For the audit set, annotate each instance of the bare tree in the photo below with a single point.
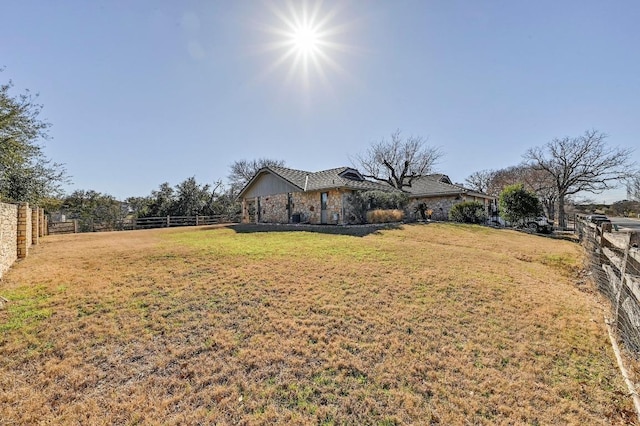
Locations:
(493, 183)
(543, 185)
(502, 178)
(480, 180)
(580, 164)
(241, 171)
(398, 161)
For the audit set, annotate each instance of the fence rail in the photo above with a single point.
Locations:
(76, 225)
(615, 264)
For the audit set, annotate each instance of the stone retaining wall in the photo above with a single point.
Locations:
(20, 228)
(8, 236)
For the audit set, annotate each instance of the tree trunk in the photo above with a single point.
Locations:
(546, 207)
(550, 204)
(561, 218)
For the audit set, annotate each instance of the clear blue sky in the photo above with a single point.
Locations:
(147, 91)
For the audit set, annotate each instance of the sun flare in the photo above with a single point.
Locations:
(306, 38)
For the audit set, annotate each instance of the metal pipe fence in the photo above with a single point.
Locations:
(129, 224)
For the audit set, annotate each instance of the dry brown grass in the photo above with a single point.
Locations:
(430, 324)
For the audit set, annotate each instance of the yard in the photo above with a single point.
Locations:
(428, 324)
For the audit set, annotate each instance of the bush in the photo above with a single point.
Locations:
(468, 212)
(384, 216)
(516, 204)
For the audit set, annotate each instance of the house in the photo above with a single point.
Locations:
(283, 195)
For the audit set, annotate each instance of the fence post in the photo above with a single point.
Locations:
(75, 226)
(168, 221)
(197, 220)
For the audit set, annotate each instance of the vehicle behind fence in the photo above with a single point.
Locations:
(614, 260)
(88, 225)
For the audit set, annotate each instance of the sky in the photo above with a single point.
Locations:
(150, 91)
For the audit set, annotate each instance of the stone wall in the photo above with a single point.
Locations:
(440, 205)
(35, 225)
(8, 236)
(274, 208)
(309, 206)
(20, 228)
(24, 239)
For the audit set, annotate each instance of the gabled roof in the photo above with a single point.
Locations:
(341, 177)
(439, 177)
(436, 185)
(347, 177)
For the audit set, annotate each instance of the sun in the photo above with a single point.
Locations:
(307, 40)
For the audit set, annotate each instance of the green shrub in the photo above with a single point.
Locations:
(516, 204)
(468, 212)
(384, 216)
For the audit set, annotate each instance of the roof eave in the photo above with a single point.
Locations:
(256, 177)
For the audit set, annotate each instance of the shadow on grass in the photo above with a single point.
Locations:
(350, 230)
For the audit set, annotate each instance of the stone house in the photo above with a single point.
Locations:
(438, 194)
(283, 195)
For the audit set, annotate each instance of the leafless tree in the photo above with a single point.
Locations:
(492, 182)
(480, 180)
(398, 161)
(241, 171)
(504, 177)
(543, 185)
(580, 164)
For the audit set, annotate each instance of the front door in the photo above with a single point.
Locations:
(323, 207)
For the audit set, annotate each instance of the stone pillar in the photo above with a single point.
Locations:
(23, 248)
(42, 230)
(35, 225)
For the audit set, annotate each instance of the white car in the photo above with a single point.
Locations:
(539, 224)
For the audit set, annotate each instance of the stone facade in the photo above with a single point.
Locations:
(439, 205)
(8, 236)
(275, 208)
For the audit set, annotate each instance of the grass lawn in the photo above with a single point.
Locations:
(428, 324)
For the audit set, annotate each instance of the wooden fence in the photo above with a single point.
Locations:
(615, 265)
(78, 225)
